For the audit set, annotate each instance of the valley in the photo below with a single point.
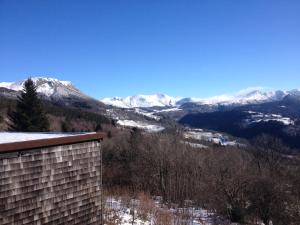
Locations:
(244, 115)
(178, 150)
(149, 112)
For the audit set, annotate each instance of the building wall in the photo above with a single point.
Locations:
(55, 185)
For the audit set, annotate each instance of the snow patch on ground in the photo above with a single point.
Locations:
(128, 214)
(147, 114)
(216, 138)
(168, 110)
(142, 125)
(152, 113)
(194, 145)
(257, 117)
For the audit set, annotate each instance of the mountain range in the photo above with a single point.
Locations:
(245, 114)
(55, 89)
(249, 96)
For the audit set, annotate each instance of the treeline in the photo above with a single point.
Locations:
(75, 113)
(62, 118)
(260, 183)
(71, 118)
(30, 113)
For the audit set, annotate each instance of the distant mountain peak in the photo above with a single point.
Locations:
(247, 96)
(142, 101)
(48, 87)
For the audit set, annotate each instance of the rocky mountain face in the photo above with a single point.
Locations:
(50, 88)
(58, 92)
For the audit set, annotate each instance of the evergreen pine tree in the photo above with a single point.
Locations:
(109, 134)
(65, 126)
(98, 127)
(29, 115)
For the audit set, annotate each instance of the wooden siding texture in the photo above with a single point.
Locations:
(54, 185)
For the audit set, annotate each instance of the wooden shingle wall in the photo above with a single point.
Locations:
(55, 185)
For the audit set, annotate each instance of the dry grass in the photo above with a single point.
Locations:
(162, 217)
(146, 206)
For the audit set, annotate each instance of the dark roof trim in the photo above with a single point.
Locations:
(42, 143)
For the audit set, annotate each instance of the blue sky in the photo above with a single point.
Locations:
(125, 47)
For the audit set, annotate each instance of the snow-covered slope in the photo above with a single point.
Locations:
(49, 87)
(248, 96)
(243, 97)
(141, 101)
(141, 125)
(257, 117)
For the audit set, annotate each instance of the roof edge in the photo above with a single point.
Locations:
(50, 142)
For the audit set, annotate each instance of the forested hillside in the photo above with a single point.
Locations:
(257, 183)
(62, 118)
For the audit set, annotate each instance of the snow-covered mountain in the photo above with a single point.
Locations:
(48, 87)
(145, 101)
(248, 96)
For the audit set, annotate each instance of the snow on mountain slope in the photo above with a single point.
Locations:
(257, 117)
(56, 89)
(141, 101)
(248, 96)
(49, 87)
(216, 138)
(142, 125)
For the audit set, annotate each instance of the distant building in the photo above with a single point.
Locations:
(50, 179)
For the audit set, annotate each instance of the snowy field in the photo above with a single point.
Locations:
(194, 145)
(141, 125)
(216, 138)
(136, 212)
(152, 114)
(147, 114)
(257, 117)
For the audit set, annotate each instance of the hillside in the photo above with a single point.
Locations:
(62, 118)
(280, 119)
